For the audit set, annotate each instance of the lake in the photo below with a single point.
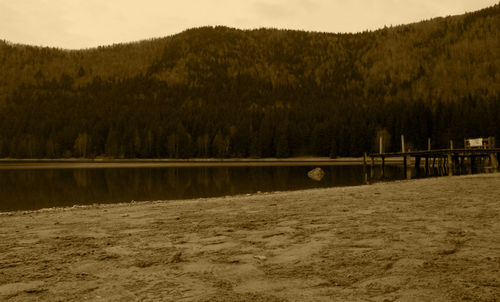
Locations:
(30, 187)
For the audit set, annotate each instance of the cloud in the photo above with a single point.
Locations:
(285, 9)
(308, 5)
(273, 11)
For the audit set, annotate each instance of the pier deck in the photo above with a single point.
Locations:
(448, 161)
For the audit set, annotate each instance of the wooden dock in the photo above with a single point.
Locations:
(447, 161)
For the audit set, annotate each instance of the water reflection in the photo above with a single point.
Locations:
(23, 189)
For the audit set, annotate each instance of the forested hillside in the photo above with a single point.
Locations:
(222, 92)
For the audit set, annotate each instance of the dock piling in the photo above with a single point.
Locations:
(383, 167)
(365, 173)
(417, 165)
(380, 146)
(494, 161)
(450, 163)
(405, 166)
(372, 168)
(427, 166)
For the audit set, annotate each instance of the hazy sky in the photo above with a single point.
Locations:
(89, 23)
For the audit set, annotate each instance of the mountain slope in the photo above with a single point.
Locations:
(226, 92)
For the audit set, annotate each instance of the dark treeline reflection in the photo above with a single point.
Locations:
(41, 188)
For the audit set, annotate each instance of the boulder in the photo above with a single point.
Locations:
(316, 174)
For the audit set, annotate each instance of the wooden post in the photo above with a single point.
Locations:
(372, 168)
(494, 161)
(450, 163)
(427, 165)
(380, 147)
(403, 143)
(417, 165)
(428, 144)
(405, 166)
(440, 166)
(471, 159)
(383, 167)
(365, 173)
(408, 170)
(451, 144)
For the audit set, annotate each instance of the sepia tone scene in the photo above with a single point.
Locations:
(302, 150)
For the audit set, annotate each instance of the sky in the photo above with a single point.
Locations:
(76, 24)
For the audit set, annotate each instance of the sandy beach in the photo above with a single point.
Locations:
(435, 239)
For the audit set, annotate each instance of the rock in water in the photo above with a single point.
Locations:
(316, 174)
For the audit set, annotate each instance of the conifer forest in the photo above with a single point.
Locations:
(219, 92)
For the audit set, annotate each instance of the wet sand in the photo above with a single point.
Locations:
(433, 239)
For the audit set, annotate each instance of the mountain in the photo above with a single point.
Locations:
(223, 92)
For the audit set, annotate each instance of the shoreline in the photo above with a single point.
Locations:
(194, 162)
(425, 239)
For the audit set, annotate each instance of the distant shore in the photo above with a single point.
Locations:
(433, 239)
(12, 163)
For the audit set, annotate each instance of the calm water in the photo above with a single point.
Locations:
(32, 188)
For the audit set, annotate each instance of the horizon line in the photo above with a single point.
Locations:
(126, 43)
